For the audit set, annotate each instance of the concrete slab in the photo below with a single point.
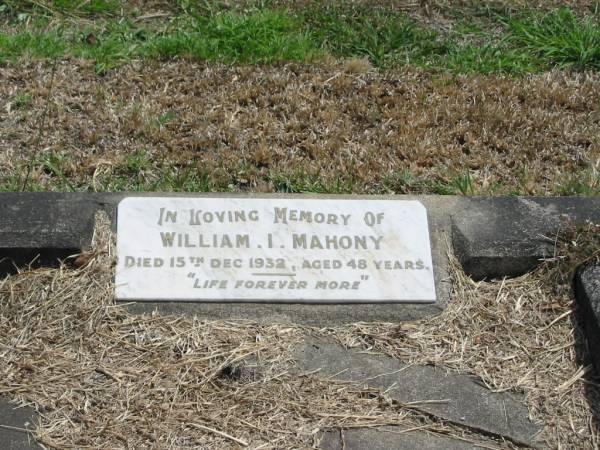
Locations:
(497, 237)
(457, 398)
(389, 438)
(42, 227)
(12, 423)
(62, 210)
(587, 293)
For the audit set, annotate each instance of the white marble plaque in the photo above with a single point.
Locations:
(273, 250)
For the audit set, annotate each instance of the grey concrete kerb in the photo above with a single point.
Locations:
(492, 237)
(16, 422)
(587, 293)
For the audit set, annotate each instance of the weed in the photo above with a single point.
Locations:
(54, 165)
(137, 162)
(491, 58)
(13, 180)
(22, 100)
(165, 118)
(402, 182)
(584, 183)
(186, 179)
(301, 181)
(458, 184)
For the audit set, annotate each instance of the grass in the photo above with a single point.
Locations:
(491, 58)
(585, 183)
(22, 100)
(382, 36)
(515, 43)
(299, 128)
(147, 175)
(301, 181)
(560, 38)
(261, 37)
(68, 7)
(369, 126)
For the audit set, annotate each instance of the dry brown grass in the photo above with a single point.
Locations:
(101, 377)
(576, 5)
(249, 126)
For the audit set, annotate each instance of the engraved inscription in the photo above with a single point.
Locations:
(281, 250)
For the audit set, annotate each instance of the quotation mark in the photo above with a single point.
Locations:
(364, 277)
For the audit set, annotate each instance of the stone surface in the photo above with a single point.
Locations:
(18, 418)
(587, 293)
(273, 250)
(390, 438)
(454, 397)
(497, 237)
(44, 227)
(322, 314)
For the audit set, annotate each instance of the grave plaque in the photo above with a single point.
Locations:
(273, 250)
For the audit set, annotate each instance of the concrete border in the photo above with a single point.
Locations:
(587, 295)
(16, 421)
(492, 237)
(497, 237)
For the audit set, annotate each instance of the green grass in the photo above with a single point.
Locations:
(136, 172)
(585, 183)
(559, 38)
(460, 184)
(491, 58)
(399, 182)
(22, 100)
(66, 7)
(35, 43)
(516, 44)
(301, 181)
(263, 36)
(382, 36)
(260, 37)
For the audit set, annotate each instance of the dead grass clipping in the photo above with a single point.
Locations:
(104, 378)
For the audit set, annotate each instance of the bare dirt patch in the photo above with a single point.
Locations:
(295, 127)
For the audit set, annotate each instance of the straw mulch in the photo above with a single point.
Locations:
(101, 377)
